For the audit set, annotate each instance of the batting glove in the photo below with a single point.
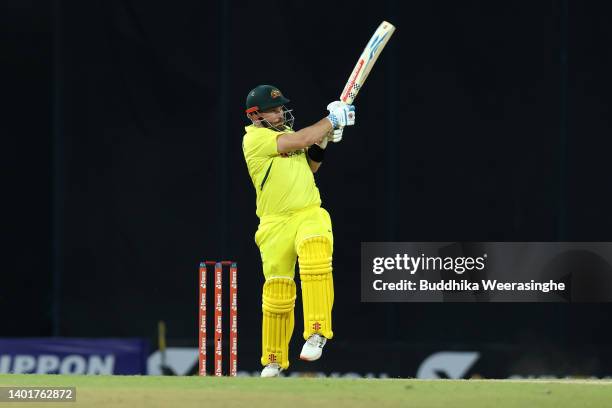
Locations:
(341, 114)
(336, 135)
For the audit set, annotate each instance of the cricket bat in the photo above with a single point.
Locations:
(366, 61)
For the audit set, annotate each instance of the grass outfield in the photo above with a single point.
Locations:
(176, 392)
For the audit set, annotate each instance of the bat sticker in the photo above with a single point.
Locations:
(375, 44)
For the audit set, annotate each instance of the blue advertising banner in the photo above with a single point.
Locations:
(73, 356)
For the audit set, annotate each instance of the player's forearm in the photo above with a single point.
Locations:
(303, 138)
(314, 133)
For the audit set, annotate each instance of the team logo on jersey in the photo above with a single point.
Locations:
(275, 93)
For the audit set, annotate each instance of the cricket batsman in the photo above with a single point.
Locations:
(292, 226)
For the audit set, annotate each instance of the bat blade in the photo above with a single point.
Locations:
(366, 61)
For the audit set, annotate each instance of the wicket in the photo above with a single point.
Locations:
(218, 301)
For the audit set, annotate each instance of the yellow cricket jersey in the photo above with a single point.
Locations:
(283, 182)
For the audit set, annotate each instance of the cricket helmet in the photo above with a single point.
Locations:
(264, 97)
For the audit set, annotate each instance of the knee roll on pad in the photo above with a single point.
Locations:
(278, 302)
(315, 260)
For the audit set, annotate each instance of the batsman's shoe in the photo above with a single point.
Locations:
(271, 370)
(313, 348)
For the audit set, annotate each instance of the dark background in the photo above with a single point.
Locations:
(482, 121)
